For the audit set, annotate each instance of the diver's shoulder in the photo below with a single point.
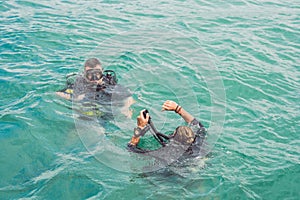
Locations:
(80, 77)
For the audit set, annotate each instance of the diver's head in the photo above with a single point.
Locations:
(184, 135)
(93, 70)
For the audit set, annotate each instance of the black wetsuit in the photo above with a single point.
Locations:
(173, 150)
(105, 95)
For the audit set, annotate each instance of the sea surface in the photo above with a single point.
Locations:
(234, 65)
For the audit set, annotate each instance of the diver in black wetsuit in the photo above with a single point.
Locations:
(97, 87)
(185, 140)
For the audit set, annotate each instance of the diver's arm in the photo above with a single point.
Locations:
(185, 115)
(64, 95)
(126, 108)
(173, 106)
(134, 141)
(69, 96)
(138, 131)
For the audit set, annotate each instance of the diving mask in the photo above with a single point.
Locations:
(93, 74)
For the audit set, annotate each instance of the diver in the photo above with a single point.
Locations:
(184, 141)
(97, 87)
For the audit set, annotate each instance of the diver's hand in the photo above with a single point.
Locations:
(169, 105)
(141, 121)
(96, 82)
(99, 82)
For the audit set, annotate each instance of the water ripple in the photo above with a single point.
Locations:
(160, 50)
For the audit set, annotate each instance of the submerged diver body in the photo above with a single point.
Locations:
(97, 88)
(185, 140)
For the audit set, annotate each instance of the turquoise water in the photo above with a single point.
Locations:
(234, 65)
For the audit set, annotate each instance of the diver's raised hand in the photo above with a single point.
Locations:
(169, 105)
(141, 121)
(173, 106)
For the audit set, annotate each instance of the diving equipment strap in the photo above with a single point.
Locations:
(157, 135)
(141, 132)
